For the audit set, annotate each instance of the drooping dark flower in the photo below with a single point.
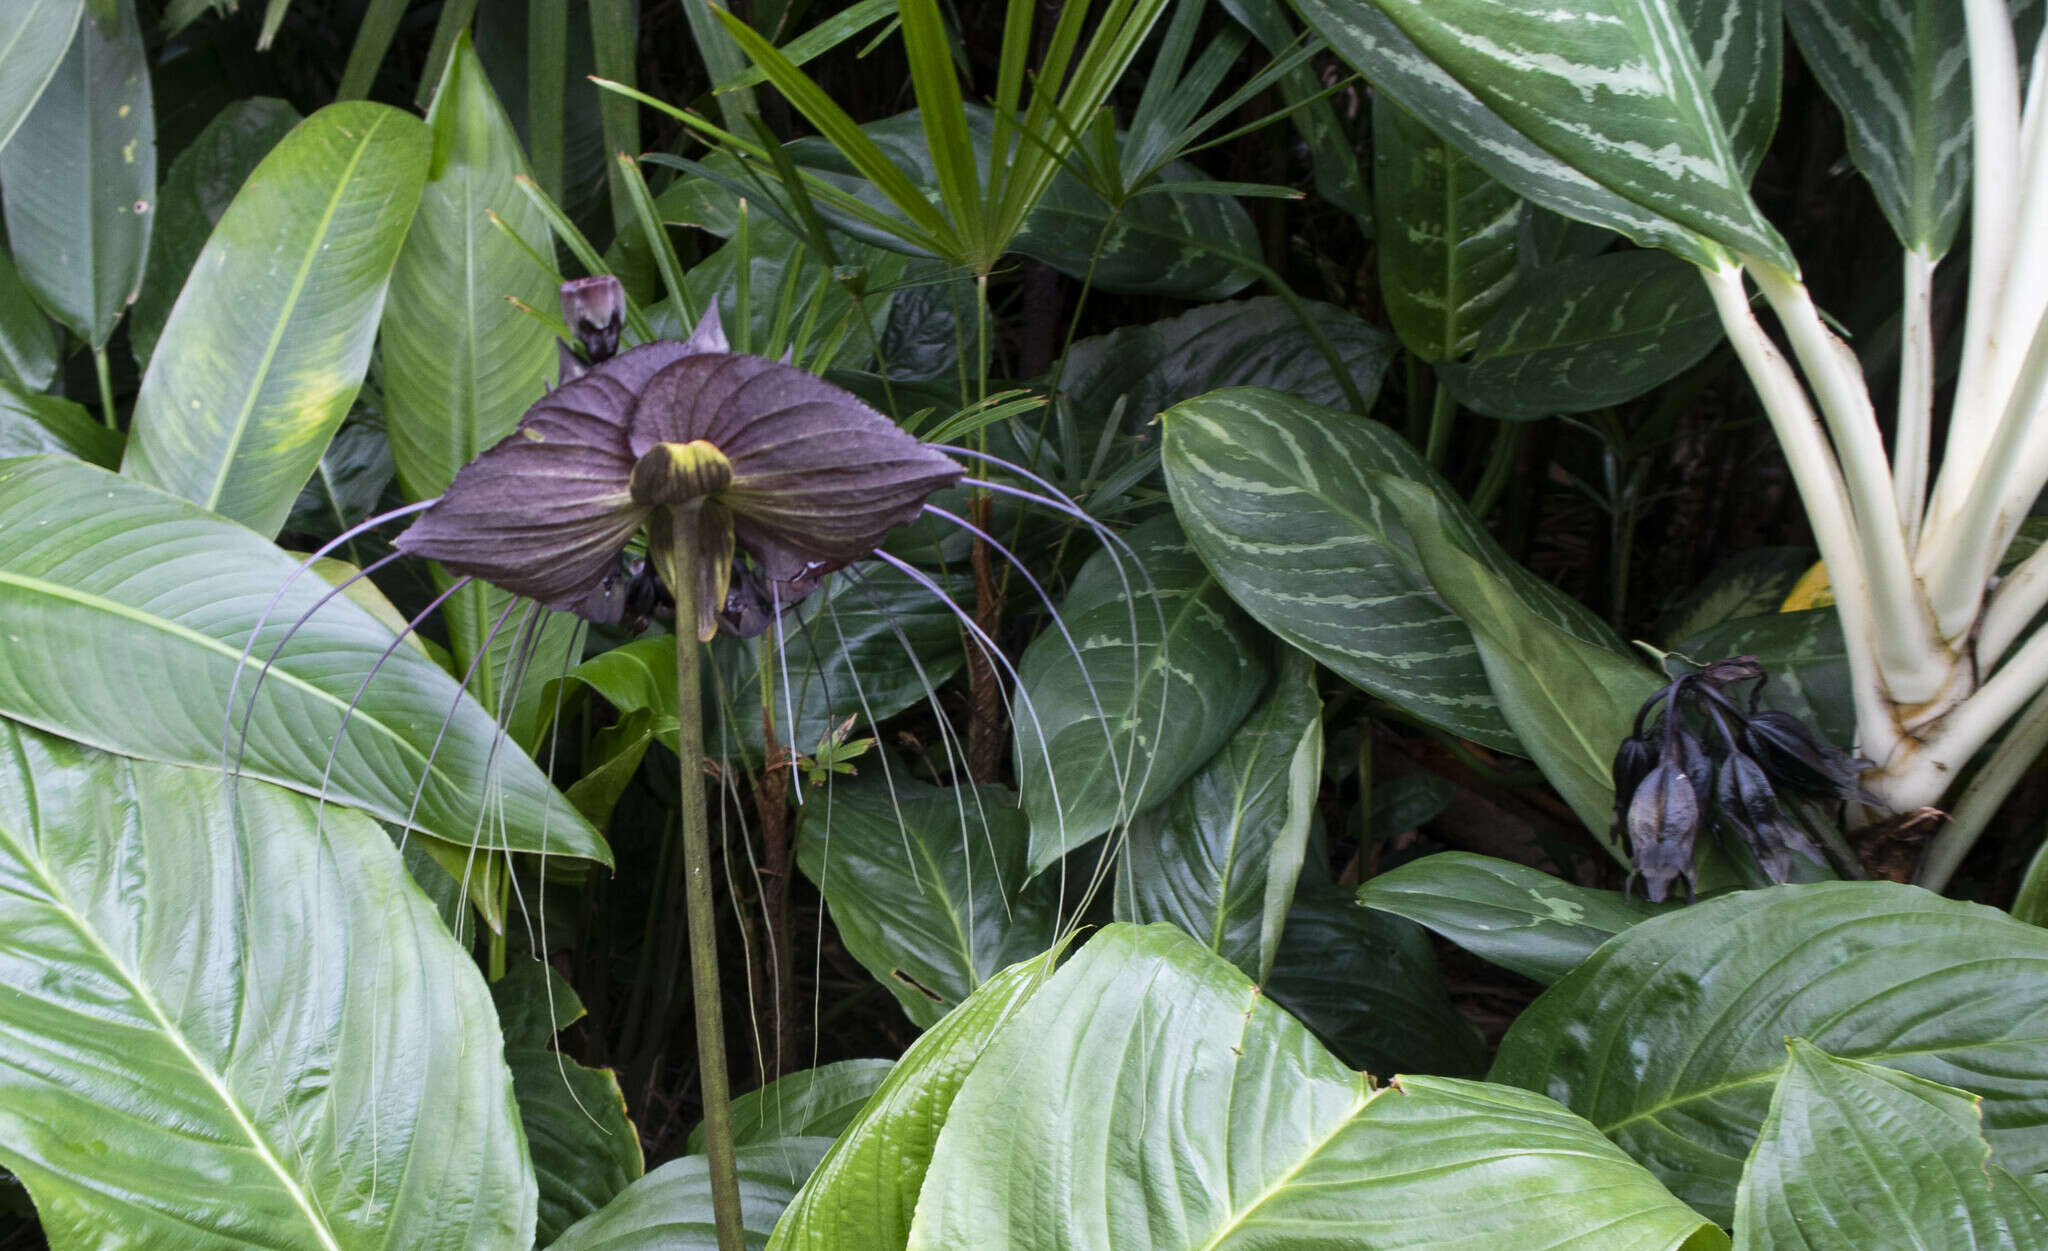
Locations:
(1745, 802)
(1799, 760)
(784, 474)
(1663, 823)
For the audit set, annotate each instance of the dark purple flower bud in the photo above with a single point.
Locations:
(753, 600)
(1632, 763)
(1745, 801)
(595, 309)
(1734, 669)
(1663, 822)
(1792, 756)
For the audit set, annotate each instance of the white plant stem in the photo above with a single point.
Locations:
(1916, 392)
(2017, 600)
(1910, 654)
(1826, 498)
(1986, 792)
(1970, 725)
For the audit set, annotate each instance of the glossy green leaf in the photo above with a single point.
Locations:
(1448, 235)
(270, 337)
(1588, 334)
(28, 343)
(202, 182)
(1856, 1155)
(1638, 115)
(1281, 498)
(1548, 238)
(34, 424)
(1671, 1037)
(670, 1208)
(1805, 657)
(928, 887)
(1900, 75)
(1367, 984)
(1403, 803)
(812, 1103)
(1571, 702)
(78, 179)
(1189, 1111)
(1159, 673)
(33, 37)
(345, 490)
(584, 1147)
(1220, 857)
(1518, 917)
(1744, 585)
(863, 1193)
(101, 579)
(188, 1057)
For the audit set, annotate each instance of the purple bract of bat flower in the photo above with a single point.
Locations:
(797, 474)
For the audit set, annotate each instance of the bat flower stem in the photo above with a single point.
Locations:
(682, 556)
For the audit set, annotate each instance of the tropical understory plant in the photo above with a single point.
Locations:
(1177, 608)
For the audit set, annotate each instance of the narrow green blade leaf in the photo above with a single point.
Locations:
(270, 337)
(101, 579)
(184, 1056)
(1192, 1112)
(1339, 178)
(1158, 676)
(1671, 1037)
(928, 887)
(1282, 500)
(79, 179)
(1519, 918)
(1220, 857)
(1448, 233)
(33, 37)
(1856, 1155)
(1587, 334)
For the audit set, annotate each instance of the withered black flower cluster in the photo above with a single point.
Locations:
(1710, 760)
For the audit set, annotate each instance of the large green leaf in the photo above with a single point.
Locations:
(79, 178)
(28, 345)
(102, 580)
(1639, 115)
(33, 37)
(862, 1194)
(31, 425)
(812, 1103)
(1282, 500)
(928, 887)
(670, 1208)
(1855, 1155)
(229, 1012)
(1900, 74)
(1221, 856)
(1160, 670)
(1745, 584)
(1586, 334)
(1518, 917)
(583, 1145)
(1671, 1036)
(201, 184)
(1186, 1110)
(1448, 235)
(1571, 702)
(461, 362)
(271, 335)
(1804, 655)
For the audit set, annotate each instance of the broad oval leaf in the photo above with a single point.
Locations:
(863, 1192)
(31, 425)
(270, 336)
(229, 1011)
(28, 345)
(1900, 74)
(1221, 856)
(670, 1208)
(79, 178)
(1518, 917)
(102, 579)
(33, 37)
(1161, 668)
(1586, 334)
(1670, 1037)
(1448, 235)
(1186, 1110)
(813, 1103)
(928, 887)
(1623, 113)
(1856, 1155)
(1280, 498)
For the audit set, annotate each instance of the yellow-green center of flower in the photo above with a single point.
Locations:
(673, 474)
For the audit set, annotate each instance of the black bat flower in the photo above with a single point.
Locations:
(783, 468)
